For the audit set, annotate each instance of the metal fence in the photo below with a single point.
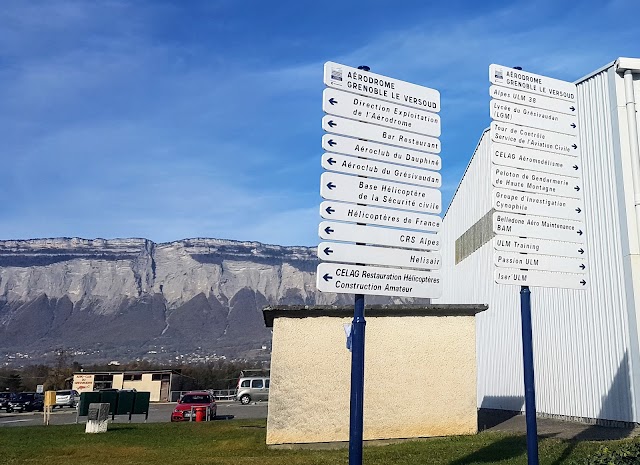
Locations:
(220, 394)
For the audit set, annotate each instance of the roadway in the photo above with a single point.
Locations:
(158, 413)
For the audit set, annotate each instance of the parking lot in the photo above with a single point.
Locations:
(158, 413)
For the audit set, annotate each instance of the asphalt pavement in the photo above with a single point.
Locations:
(158, 413)
(488, 420)
(512, 422)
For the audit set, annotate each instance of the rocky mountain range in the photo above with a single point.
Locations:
(126, 299)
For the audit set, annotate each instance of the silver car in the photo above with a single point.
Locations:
(67, 398)
(252, 389)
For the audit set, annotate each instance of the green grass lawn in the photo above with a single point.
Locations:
(243, 442)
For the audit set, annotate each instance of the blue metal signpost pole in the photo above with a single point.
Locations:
(357, 382)
(529, 380)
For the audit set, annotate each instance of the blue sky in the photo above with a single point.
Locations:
(180, 119)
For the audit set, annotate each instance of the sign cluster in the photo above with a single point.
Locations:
(381, 186)
(536, 173)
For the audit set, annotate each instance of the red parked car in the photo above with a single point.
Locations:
(200, 404)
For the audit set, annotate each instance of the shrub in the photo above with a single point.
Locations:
(627, 454)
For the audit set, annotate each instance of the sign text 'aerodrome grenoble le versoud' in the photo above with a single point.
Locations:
(536, 174)
(381, 186)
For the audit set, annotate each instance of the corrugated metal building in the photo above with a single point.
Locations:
(586, 343)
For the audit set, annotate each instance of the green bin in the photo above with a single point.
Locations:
(111, 398)
(87, 398)
(125, 402)
(141, 403)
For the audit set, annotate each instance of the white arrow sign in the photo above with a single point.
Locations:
(539, 226)
(534, 117)
(539, 278)
(375, 151)
(379, 216)
(380, 170)
(349, 232)
(335, 186)
(374, 111)
(535, 160)
(532, 100)
(535, 181)
(372, 280)
(539, 262)
(505, 76)
(353, 253)
(382, 87)
(539, 246)
(349, 127)
(538, 204)
(531, 138)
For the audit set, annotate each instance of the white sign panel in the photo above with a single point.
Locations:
(539, 278)
(380, 170)
(539, 262)
(539, 226)
(535, 181)
(349, 127)
(382, 87)
(375, 151)
(538, 204)
(532, 100)
(535, 160)
(534, 117)
(372, 280)
(374, 111)
(354, 253)
(349, 232)
(336, 186)
(534, 138)
(539, 246)
(379, 216)
(531, 83)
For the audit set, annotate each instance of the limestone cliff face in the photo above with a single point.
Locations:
(124, 299)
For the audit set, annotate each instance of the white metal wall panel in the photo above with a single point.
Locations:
(582, 349)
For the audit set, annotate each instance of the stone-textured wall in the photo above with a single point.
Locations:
(420, 378)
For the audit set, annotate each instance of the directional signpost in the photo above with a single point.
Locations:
(536, 165)
(382, 199)
(538, 196)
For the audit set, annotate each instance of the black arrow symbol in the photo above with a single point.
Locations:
(331, 161)
(332, 101)
(573, 125)
(582, 266)
(328, 230)
(572, 108)
(329, 210)
(581, 250)
(575, 167)
(574, 146)
(331, 185)
(328, 251)
(331, 142)
(580, 232)
(583, 282)
(327, 277)
(577, 188)
(331, 123)
(579, 210)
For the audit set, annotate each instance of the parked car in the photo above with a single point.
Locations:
(254, 388)
(26, 402)
(67, 398)
(192, 400)
(5, 397)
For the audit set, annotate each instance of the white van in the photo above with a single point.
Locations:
(252, 389)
